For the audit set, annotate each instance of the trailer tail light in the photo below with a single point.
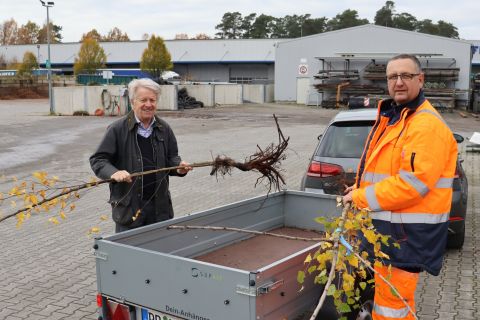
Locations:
(323, 169)
(121, 312)
(115, 310)
(99, 300)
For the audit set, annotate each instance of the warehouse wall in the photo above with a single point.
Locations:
(230, 72)
(366, 39)
(203, 72)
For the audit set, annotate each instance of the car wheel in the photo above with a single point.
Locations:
(455, 241)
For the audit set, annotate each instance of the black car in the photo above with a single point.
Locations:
(333, 165)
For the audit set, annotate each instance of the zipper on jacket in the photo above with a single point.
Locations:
(361, 166)
(141, 164)
(412, 159)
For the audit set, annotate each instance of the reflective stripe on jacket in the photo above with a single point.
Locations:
(405, 178)
(387, 304)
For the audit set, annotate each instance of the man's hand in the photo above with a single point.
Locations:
(348, 195)
(348, 189)
(347, 198)
(185, 169)
(121, 176)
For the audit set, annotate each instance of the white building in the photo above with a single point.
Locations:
(299, 60)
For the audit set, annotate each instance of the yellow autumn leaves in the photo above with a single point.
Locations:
(350, 266)
(42, 194)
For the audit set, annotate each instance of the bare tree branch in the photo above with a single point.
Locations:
(262, 233)
(267, 162)
(336, 240)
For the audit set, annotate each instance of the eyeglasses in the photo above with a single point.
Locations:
(403, 76)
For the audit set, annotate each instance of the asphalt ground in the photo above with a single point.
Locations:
(47, 271)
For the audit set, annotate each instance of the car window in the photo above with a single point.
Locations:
(345, 139)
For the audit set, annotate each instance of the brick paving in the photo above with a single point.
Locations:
(48, 272)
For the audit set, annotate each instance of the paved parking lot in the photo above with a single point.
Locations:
(48, 272)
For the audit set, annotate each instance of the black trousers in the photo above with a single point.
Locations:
(147, 216)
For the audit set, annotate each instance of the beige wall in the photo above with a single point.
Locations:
(68, 100)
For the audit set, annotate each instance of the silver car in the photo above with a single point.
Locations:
(334, 163)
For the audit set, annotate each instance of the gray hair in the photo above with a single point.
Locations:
(409, 57)
(142, 83)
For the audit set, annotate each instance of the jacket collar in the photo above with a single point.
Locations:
(393, 111)
(132, 121)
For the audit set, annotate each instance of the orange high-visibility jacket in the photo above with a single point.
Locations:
(405, 178)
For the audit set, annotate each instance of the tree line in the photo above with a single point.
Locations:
(235, 26)
(31, 33)
(252, 26)
(28, 33)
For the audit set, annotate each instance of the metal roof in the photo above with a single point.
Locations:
(372, 26)
(182, 51)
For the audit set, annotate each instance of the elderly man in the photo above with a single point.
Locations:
(138, 142)
(405, 179)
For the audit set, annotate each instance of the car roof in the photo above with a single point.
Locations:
(356, 115)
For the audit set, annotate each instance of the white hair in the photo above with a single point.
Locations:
(142, 83)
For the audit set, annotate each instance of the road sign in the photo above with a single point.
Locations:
(303, 69)
(47, 63)
(107, 74)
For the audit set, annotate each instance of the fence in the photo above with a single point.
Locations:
(87, 79)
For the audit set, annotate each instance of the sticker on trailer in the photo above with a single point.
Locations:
(155, 315)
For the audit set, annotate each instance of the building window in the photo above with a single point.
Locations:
(247, 80)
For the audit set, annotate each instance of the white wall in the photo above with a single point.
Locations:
(254, 93)
(211, 94)
(68, 100)
(168, 98)
(228, 94)
(269, 93)
(201, 92)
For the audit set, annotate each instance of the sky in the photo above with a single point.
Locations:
(168, 18)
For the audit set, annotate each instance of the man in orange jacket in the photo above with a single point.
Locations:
(405, 179)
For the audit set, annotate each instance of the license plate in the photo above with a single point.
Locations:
(156, 315)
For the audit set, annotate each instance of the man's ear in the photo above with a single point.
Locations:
(421, 79)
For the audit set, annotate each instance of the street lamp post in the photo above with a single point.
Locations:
(48, 5)
(38, 57)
